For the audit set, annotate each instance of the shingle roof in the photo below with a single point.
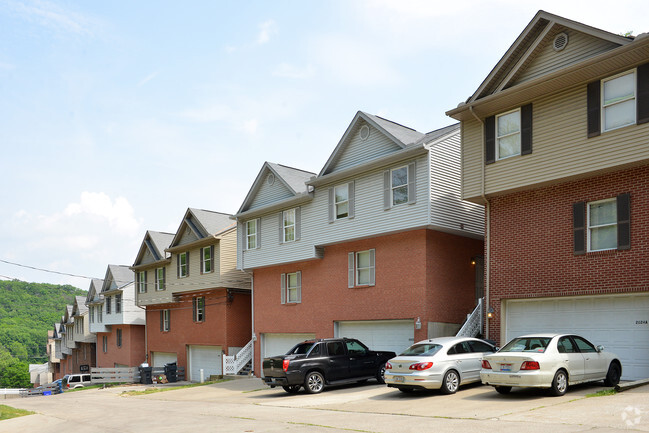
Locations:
(402, 133)
(213, 222)
(121, 274)
(80, 305)
(433, 135)
(294, 177)
(160, 241)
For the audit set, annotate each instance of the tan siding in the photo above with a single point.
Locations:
(158, 297)
(471, 159)
(359, 151)
(230, 276)
(188, 236)
(561, 148)
(147, 258)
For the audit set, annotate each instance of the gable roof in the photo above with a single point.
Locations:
(117, 276)
(400, 135)
(79, 307)
(522, 51)
(203, 224)
(94, 291)
(294, 179)
(156, 243)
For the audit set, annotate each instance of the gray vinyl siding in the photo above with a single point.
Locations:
(356, 151)
(561, 149)
(446, 207)
(580, 47)
(147, 258)
(270, 193)
(130, 315)
(188, 236)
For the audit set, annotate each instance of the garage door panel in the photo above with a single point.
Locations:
(162, 358)
(389, 335)
(207, 358)
(275, 344)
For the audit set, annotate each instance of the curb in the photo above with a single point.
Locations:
(630, 385)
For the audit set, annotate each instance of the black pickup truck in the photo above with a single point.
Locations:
(316, 363)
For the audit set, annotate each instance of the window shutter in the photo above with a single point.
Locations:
(386, 189)
(194, 309)
(243, 239)
(281, 227)
(146, 287)
(164, 279)
(372, 267)
(299, 286)
(593, 94)
(526, 129)
(298, 223)
(332, 205)
(412, 183)
(351, 191)
(642, 89)
(178, 265)
(258, 232)
(350, 270)
(204, 308)
(162, 320)
(212, 258)
(490, 139)
(187, 261)
(624, 221)
(283, 277)
(579, 227)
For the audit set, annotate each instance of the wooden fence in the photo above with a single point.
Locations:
(128, 375)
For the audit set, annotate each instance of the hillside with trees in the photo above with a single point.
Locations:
(27, 312)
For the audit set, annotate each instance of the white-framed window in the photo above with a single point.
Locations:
(199, 308)
(341, 201)
(183, 265)
(118, 337)
(288, 225)
(602, 225)
(207, 261)
(160, 278)
(251, 234)
(399, 185)
(105, 343)
(619, 101)
(118, 303)
(165, 320)
(361, 268)
(100, 314)
(141, 282)
(508, 134)
(291, 288)
(92, 314)
(108, 304)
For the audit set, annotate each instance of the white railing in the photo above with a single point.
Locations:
(473, 324)
(233, 364)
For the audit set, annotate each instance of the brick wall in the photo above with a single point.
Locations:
(532, 242)
(131, 352)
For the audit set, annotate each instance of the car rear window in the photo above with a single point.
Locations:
(301, 349)
(424, 349)
(527, 344)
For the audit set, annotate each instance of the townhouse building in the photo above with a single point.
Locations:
(197, 303)
(377, 246)
(84, 350)
(555, 145)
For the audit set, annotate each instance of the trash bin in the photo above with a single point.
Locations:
(171, 371)
(146, 375)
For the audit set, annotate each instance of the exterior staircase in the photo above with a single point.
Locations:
(474, 322)
(234, 365)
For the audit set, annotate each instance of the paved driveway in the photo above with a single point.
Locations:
(246, 405)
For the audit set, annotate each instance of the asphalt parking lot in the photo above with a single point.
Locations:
(246, 405)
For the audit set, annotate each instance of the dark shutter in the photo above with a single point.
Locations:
(178, 266)
(594, 103)
(624, 221)
(162, 320)
(642, 89)
(194, 309)
(211, 258)
(187, 263)
(204, 308)
(526, 129)
(579, 227)
(164, 279)
(490, 139)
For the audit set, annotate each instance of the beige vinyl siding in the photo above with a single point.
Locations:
(147, 258)
(270, 193)
(580, 47)
(187, 237)
(230, 276)
(357, 150)
(561, 149)
(153, 296)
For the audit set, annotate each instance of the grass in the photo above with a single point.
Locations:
(8, 412)
(602, 393)
(154, 390)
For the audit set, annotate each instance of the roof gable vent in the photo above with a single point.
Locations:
(560, 42)
(365, 132)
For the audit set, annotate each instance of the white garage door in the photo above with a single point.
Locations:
(207, 358)
(279, 344)
(391, 335)
(162, 358)
(620, 323)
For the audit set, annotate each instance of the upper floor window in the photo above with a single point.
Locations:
(160, 275)
(100, 314)
(141, 282)
(618, 101)
(291, 287)
(199, 308)
(118, 303)
(399, 178)
(183, 264)
(252, 233)
(602, 225)
(508, 134)
(92, 314)
(207, 259)
(108, 304)
(288, 222)
(399, 186)
(165, 320)
(341, 201)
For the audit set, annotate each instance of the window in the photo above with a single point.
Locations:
(108, 304)
(252, 234)
(399, 186)
(100, 313)
(291, 288)
(288, 225)
(361, 268)
(160, 274)
(584, 345)
(165, 320)
(141, 282)
(508, 134)
(105, 343)
(198, 304)
(341, 201)
(183, 265)
(602, 225)
(618, 101)
(118, 303)
(92, 314)
(207, 259)
(399, 178)
(118, 337)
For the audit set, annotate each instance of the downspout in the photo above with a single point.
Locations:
(487, 260)
(252, 300)
(146, 335)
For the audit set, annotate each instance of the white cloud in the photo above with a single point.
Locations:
(266, 29)
(119, 213)
(53, 16)
(147, 79)
(286, 70)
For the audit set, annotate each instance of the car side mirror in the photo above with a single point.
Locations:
(600, 348)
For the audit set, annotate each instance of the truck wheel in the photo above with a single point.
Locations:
(314, 382)
(292, 389)
(380, 374)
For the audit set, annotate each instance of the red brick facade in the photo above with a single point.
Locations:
(420, 273)
(83, 354)
(532, 242)
(131, 352)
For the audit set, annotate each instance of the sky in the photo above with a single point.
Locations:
(116, 116)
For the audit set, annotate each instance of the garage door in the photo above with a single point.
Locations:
(279, 344)
(392, 335)
(620, 323)
(207, 358)
(162, 358)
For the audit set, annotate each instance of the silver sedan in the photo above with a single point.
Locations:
(440, 363)
(552, 361)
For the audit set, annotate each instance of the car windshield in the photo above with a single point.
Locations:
(423, 349)
(527, 344)
(301, 349)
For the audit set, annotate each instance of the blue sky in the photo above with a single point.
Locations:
(116, 116)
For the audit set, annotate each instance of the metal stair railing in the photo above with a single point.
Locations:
(474, 322)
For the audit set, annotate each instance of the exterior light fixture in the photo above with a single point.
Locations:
(490, 312)
(418, 323)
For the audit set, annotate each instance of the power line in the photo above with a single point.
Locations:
(44, 270)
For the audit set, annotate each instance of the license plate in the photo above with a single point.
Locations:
(505, 367)
(399, 379)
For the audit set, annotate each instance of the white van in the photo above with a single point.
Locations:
(73, 381)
